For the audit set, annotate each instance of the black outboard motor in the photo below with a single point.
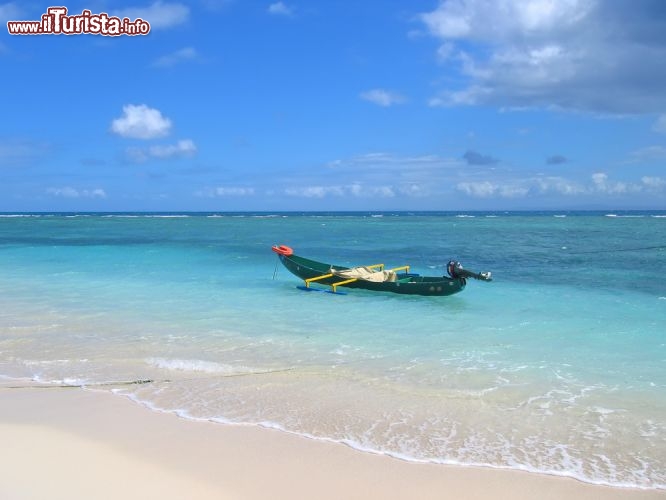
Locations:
(456, 271)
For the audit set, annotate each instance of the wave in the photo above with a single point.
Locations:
(167, 216)
(625, 216)
(573, 470)
(198, 365)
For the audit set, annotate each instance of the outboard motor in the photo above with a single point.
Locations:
(453, 267)
(456, 271)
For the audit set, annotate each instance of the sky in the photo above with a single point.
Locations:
(231, 105)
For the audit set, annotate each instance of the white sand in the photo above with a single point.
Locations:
(75, 444)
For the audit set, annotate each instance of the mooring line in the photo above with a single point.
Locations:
(141, 381)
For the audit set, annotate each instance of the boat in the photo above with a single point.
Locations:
(375, 277)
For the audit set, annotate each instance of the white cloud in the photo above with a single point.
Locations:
(600, 184)
(495, 21)
(70, 192)
(660, 124)
(558, 185)
(314, 191)
(382, 97)
(177, 57)
(355, 189)
(487, 189)
(546, 53)
(159, 14)
(223, 191)
(182, 148)
(654, 183)
(280, 9)
(413, 190)
(10, 12)
(141, 122)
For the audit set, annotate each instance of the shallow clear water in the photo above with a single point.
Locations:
(558, 365)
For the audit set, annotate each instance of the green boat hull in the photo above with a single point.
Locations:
(406, 283)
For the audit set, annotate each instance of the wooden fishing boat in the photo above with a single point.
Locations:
(375, 277)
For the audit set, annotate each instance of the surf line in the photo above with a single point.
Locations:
(139, 381)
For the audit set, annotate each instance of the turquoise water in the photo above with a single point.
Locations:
(557, 366)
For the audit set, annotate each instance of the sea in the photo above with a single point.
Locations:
(557, 366)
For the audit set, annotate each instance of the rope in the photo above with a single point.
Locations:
(82, 386)
(139, 381)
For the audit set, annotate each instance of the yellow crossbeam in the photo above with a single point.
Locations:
(336, 285)
(405, 268)
(330, 275)
(310, 280)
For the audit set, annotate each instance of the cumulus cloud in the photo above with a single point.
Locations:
(588, 55)
(159, 14)
(70, 192)
(141, 122)
(556, 160)
(314, 191)
(355, 189)
(382, 97)
(223, 191)
(486, 189)
(177, 57)
(654, 183)
(474, 158)
(182, 148)
(279, 9)
(558, 185)
(600, 184)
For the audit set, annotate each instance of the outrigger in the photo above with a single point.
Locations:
(375, 277)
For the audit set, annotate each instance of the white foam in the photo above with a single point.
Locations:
(197, 365)
(557, 461)
(166, 216)
(625, 216)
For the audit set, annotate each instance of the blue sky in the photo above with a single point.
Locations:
(375, 105)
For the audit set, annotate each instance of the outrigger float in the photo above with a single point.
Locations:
(375, 277)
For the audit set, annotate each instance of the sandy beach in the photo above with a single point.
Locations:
(81, 444)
